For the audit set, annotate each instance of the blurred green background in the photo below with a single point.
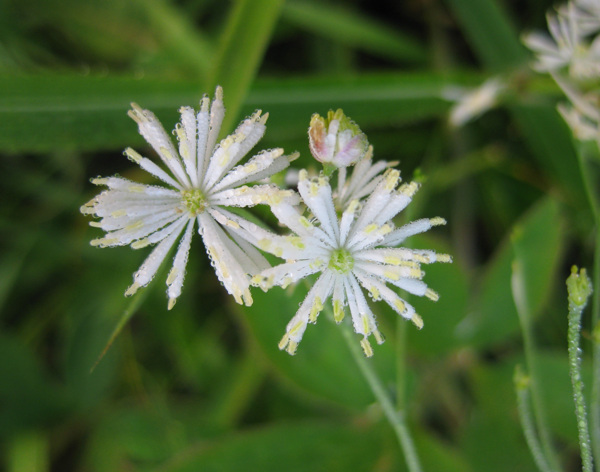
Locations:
(204, 387)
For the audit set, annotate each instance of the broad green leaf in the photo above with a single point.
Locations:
(42, 113)
(540, 240)
(246, 35)
(353, 29)
(323, 364)
(293, 447)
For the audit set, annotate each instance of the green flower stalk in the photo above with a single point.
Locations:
(579, 287)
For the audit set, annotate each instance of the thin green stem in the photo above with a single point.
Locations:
(395, 417)
(520, 298)
(579, 289)
(522, 384)
(587, 154)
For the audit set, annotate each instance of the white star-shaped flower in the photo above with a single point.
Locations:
(202, 178)
(354, 250)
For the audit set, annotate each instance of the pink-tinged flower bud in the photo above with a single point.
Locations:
(336, 140)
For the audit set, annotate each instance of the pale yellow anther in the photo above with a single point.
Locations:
(250, 168)
(391, 177)
(416, 274)
(400, 305)
(385, 229)
(295, 241)
(437, 221)
(443, 258)
(136, 188)
(103, 242)
(370, 228)
(417, 320)
(100, 181)
(140, 243)
(297, 327)
(182, 137)
(171, 303)
(132, 289)
(338, 311)
(366, 347)
(303, 174)
(135, 225)
(352, 206)
(316, 308)
(409, 189)
(284, 341)
(392, 275)
(137, 114)
(166, 153)
(95, 224)
(313, 189)
(392, 260)
(118, 213)
(432, 295)
(323, 181)
(247, 298)
(291, 348)
(263, 119)
(264, 244)
(374, 291)
(172, 275)
(380, 338)
(305, 222)
(365, 323)
(277, 252)
(204, 103)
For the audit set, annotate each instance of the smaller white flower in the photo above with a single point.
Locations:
(471, 104)
(336, 140)
(202, 179)
(583, 127)
(349, 252)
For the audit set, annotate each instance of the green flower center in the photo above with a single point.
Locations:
(194, 201)
(341, 261)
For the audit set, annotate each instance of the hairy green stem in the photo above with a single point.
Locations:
(587, 153)
(579, 288)
(395, 417)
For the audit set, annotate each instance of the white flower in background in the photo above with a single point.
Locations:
(336, 140)
(572, 57)
(354, 250)
(471, 104)
(202, 179)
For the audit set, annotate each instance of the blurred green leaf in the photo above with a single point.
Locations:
(46, 112)
(540, 238)
(27, 396)
(439, 335)
(246, 35)
(306, 446)
(489, 32)
(323, 364)
(353, 29)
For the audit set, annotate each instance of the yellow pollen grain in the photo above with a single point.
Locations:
(136, 188)
(375, 292)
(166, 152)
(391, 275)
(338, 311)
(284, 341)
(370, 228)
(297, 327)
(443, 258)
(437, 221)
(118, 213)
(305, 222)
(316, 308)
(392, 260)
(172, 275)
(136, 225)
(140, 243)
(365, 323)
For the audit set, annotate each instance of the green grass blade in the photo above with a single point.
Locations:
(351, 29)
(490, 32)
(245, 38)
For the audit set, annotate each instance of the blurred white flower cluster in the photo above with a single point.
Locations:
(346, 235)
(571, 55)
